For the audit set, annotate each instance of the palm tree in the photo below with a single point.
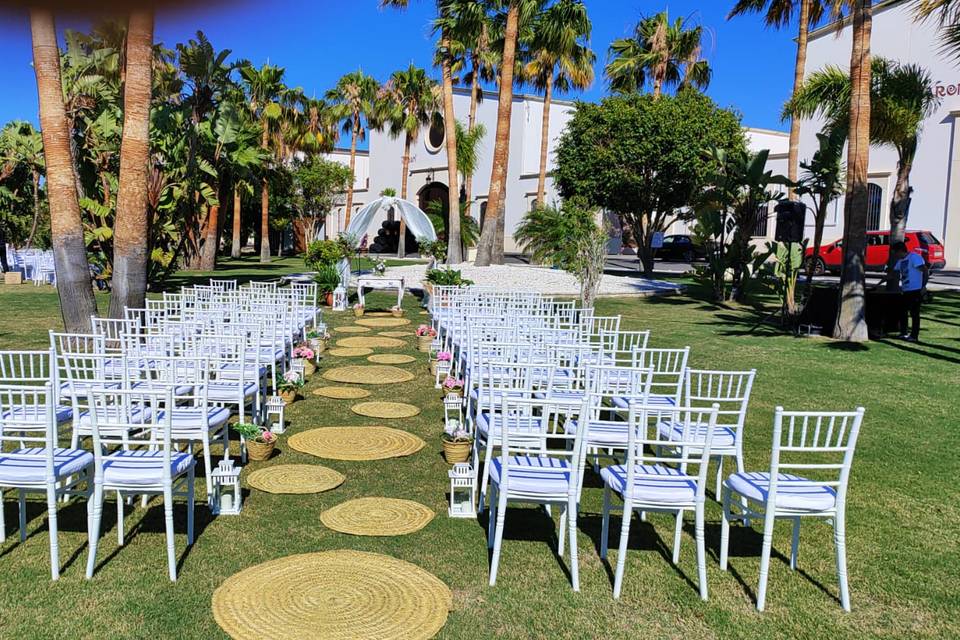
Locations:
(411, 101)
(779, 14)
(70, 257)
(129, 282)
(560, 60)
(661, 53)
(265, 89)
(21, 145)
(948, 16)
(902, 97)
(354, 98)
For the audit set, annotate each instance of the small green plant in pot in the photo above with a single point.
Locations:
(288, 386)
(327, 280)
(258, 441)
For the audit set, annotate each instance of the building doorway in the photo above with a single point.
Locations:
(433, 199)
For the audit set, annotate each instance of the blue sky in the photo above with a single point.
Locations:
(318, 41)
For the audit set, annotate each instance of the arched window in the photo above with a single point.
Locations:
(874, 206)
(435, 136)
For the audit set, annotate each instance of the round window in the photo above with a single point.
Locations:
(435, 137)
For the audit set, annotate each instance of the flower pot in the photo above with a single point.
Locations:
(309, 368)
(428, 288)
(452, 390)
(424, 343)
(259, 450)
(456, 451)
(328, 298)
(288, 396)
(358, 313)
(396, 313)
(434, 365)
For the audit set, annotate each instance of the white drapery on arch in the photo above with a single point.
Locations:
(416, 220)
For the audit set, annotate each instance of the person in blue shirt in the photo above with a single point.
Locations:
(912, 271)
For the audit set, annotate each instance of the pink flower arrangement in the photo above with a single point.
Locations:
(358, 306)
(303, 351)
(267, 436)
(426, 330)
(452, 383)
(444, 356)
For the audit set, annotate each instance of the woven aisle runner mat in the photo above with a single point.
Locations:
(341, 393)
(391, 358)
(368, 374)
(382, 322)
(370, 342)
(396, 334)
(350, 352)
(377, 517)
(356, 443)
(334, 595)
(295, 478)
(352, 329)
(380, 409)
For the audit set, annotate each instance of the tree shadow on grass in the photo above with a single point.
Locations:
(924, 349)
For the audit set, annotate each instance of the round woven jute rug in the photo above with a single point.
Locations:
(377, 517)
(350, 352)
(356, 443)
(295, 478)
(370, 342)
(368, 374)
(350, 328)
(341, 393)
(396, 334)
(378, 409)
(382, 322)
(334, 595)
(377, 314)
(391, 358)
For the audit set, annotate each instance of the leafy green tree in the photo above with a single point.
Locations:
(660, 53)
(354, 99)
(644, 158)
(22, 146)
(317, 183)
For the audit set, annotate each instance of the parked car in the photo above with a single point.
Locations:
(878, 251)
(680, 247)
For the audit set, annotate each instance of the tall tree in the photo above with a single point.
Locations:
(265, 89)
(69, 250)
(778, 14)
(560, 60)
(902, 97)
(411, 101)
(661, 53)
(129, 284)
(354, 98)
(851, 323)
(947, 13)
(22, 145)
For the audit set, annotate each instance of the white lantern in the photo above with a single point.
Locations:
(340, 299)
(443, 369)
(452, 412)
(462, 491)
(297, 366)
(275, 405)
(226, 499)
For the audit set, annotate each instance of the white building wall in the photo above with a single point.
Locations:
(936, 172)
(336, 221)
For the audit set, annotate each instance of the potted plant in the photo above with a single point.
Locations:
(327, 279)
(443, 356)
(452, 385)
(380, 267)
(306, 354)
(425, 336)
(358, 309)
(288, 386)
(396, 311)
(259, 441)
(457, 443)
(318, 340)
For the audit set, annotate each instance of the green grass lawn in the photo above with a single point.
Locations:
(903, 511)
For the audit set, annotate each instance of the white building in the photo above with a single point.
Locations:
(936, 172)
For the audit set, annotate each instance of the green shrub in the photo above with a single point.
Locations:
(323, 253)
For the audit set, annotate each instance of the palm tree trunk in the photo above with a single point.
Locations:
(821, 217)
(900, 207)
(402, 239)
(354, 134)
(471, 121)
(235, 244)
(36, 208)
(130, 228)
(487, 251)
(799, 68)
(454, 247)
(265, 203)
(66, 229)
(208, 257)
(851, 319)
(544, 140)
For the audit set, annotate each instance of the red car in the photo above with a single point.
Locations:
(878, 251)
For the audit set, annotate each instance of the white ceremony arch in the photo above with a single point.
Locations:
(416, 220)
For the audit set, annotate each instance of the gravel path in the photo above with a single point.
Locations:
(544, 280)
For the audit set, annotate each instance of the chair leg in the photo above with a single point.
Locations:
(701, 552)
(840, 540)
(795, 544)
(574, 559)
(719, 475)
(120, 527)
(52, 526)
(190, 504)
(725, 530)
(3, 523)
(22, 495)
(765, 557)
(498, 537)
(605, 523)
(677, 530)
(207, 465)
(94, 510)
(622, 553)
(168, 521)
(491, 514)
(487, 460)
(561, 534)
